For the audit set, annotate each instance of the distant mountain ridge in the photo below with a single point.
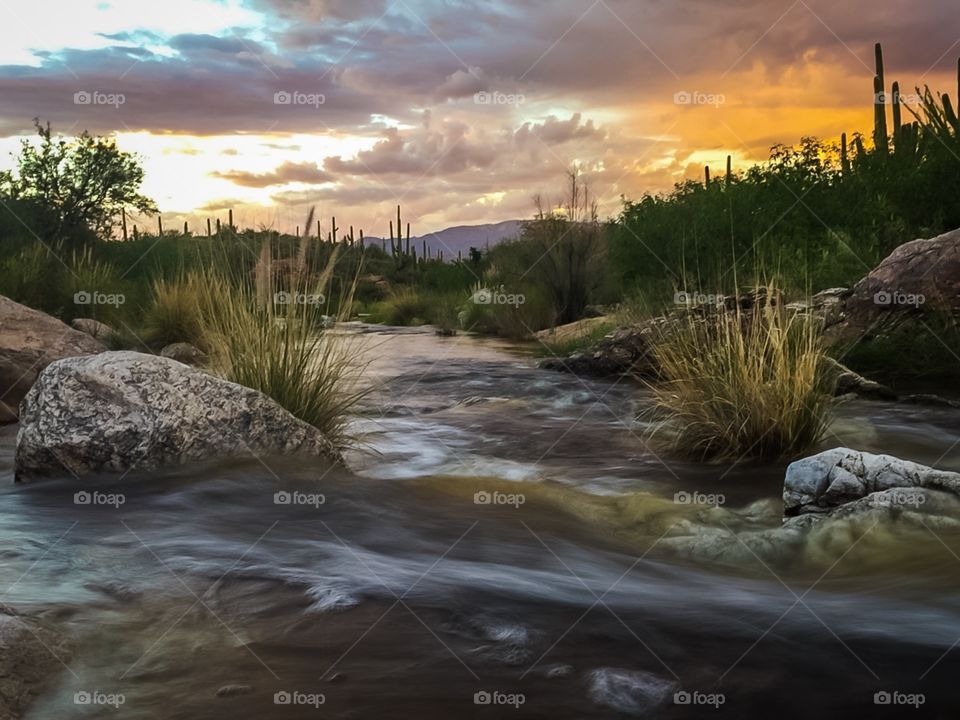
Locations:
(460, 238)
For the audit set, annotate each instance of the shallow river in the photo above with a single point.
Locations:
(499, 548)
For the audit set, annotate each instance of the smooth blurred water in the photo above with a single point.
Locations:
(399, 596)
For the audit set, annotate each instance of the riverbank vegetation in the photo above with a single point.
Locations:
(269, 333)
(815, 215)
(741, 383)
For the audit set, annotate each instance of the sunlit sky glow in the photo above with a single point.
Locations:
(388, 109)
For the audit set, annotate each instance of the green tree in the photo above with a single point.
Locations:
(85, 182)
(560, 252)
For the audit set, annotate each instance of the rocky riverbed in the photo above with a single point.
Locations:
(503, 535)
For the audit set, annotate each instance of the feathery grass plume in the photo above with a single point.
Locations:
(742, 384)
(281, 344)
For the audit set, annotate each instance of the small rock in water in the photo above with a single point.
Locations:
(629, 691)
(236, 689)
(823, 482)
(557, 670)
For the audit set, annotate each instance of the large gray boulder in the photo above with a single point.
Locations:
(825, 481)
(29, 341)
(122, 410)
(918, 277)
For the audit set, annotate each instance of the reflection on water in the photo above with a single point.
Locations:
(501, 536)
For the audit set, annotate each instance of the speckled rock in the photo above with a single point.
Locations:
(119, 410)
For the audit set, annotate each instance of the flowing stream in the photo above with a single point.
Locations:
(499, 547)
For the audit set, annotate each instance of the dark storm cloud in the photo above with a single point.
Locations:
(554, 131)
(210, 87)
(229, 45)
(318, 10)
(590, 82)
(420, 54)
(424, 151)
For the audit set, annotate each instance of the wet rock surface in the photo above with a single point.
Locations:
(31, 655)
(820, 483)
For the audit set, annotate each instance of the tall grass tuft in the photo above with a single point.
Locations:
(174, 313)
(742, 384)
(283, 349)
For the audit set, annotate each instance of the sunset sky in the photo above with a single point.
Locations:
(460, 111)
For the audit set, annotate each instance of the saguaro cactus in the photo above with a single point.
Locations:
(880, 136)
(897, 118)
(400, 254)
